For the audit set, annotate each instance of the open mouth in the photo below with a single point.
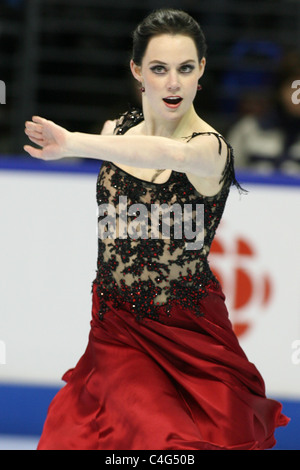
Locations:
(172, 100)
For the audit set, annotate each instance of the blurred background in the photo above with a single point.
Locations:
(68, 60)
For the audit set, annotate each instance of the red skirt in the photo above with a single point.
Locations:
(183, 383)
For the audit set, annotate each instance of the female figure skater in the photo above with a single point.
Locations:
(163, 368)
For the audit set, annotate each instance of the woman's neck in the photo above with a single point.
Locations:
(175, 129)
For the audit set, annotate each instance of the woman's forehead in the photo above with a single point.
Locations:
(171, 46)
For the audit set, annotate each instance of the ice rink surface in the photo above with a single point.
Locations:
(18, 442)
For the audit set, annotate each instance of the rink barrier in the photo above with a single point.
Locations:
(23, 409)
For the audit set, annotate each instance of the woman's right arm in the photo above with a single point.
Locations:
(199, 156)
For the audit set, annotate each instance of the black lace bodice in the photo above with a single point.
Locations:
(151, 272)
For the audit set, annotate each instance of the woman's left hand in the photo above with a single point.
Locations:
(52, 139)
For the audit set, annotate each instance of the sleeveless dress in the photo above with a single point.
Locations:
(163, 368)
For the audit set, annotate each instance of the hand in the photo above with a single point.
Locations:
(108, 128)
(49, 136)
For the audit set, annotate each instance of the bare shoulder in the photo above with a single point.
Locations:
(202, 126)
(136, 130)
(214, 151)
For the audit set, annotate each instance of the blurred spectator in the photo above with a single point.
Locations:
(271, 142)
(251, 66)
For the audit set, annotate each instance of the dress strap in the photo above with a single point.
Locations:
(128, 119)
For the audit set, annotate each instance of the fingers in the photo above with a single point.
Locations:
(37, 124)
(34, 130)
(32, 127)
(32, 133)
(38, 119)
(37, 141)
(36, 153)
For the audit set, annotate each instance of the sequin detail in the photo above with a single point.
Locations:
(152, 273)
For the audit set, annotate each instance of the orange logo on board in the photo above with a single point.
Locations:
(245, 284)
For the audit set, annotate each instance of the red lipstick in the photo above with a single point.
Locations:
(172, 101)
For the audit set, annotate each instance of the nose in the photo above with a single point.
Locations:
(173, 82)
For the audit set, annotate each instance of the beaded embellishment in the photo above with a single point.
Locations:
(152, 273)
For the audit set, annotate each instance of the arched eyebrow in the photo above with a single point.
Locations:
(164, 63)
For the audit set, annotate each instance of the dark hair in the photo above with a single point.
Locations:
(166, 21)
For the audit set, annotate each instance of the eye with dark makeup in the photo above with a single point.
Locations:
(160, 69)
(187, 68)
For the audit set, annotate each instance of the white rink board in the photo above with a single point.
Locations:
(48, 231)
(266, 221)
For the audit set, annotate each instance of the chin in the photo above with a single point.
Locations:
(174, 115)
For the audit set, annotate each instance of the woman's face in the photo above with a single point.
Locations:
(169, 73)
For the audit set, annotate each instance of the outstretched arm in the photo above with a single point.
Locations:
(133, 150)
